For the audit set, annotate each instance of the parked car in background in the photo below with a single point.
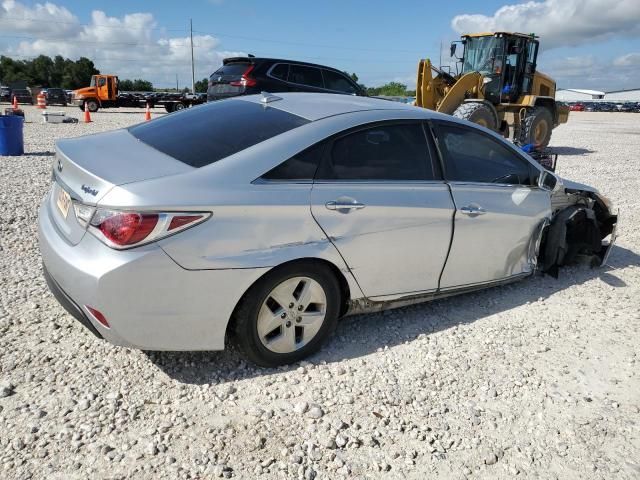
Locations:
(577, 107)
(251, 75)
(305, 208)
(22, 95)
(56, 96)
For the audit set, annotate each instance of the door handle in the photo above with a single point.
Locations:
(344, 206)
(473, 210)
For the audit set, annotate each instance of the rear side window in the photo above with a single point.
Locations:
(235, 69)
(472, 156)
(205, 134)
(337, 82)
(305, 76)
(384, 152)
(280, 71)
(302, 166)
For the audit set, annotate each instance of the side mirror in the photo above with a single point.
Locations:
(547, 181)
(453, 49)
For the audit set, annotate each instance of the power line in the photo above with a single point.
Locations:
(287, 42)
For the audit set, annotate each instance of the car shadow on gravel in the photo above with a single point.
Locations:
(41, 154)
(361, 335)
(572, 151)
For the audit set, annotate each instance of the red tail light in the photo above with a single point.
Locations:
(245, 79)
(126, 229)
(182, 220)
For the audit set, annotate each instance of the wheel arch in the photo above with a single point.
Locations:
(549, 103)
(345, 288)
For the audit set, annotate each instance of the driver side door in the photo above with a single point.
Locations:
(499, 209)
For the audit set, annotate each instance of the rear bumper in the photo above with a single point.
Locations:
(68, 304)
(150, 302)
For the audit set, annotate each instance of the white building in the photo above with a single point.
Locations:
(575, 94)
(631, 95)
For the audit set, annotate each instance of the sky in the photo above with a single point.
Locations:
(584, 43)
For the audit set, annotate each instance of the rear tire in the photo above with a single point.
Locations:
(479, 113)
(268, 345)
(536, 127)
(168, 107)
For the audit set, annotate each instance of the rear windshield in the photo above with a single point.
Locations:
(203, 135)
(235, 69)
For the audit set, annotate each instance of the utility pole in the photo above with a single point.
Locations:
(177, 83)
(193, 70)
(440, 54)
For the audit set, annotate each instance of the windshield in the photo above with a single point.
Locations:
(481, 54)
(93, 81)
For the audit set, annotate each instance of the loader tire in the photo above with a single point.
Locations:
(479, 113)
(536, 127)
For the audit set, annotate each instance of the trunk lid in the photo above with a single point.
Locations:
(86, 168)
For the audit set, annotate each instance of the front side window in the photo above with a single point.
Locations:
(472, 156)
(385, 152)
(102, 82)
(337, 82)
(303, 75)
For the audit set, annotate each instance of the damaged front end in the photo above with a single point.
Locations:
(582, 228)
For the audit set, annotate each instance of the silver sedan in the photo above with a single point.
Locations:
(264, 219)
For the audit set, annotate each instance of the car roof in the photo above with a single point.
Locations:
(316, 106)
(276, 60)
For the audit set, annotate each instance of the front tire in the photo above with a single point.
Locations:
(479, 113)
(288, 314)
(179, 106)
(92, 105)
(536, 127)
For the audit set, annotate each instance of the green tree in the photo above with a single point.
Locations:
(202, 85)
(43, 71)
(391, 89)
(137, 85)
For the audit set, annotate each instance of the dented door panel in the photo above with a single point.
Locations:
(395, 240)
(497, 242)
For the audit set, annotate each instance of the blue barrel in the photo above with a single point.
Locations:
(11, 139)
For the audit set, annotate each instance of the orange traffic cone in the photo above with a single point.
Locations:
(87, 115)
(15, 103)
(147, 114)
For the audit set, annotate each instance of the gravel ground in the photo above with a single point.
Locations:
(538, 379)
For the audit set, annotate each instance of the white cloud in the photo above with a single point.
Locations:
(43, 19)
(628, 60)
(125, 46)
(559, 22)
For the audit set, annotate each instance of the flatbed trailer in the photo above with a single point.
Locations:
(103, 93)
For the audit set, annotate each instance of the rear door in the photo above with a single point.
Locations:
(498, 208)
(305, 78)
(227, 80)
(381, 200)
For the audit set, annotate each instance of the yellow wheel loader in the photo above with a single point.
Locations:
(497, 87)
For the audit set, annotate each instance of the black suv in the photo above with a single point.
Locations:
(22, 95)
(250, 75)
(56, 96)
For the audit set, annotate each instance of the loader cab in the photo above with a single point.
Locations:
(507, 61)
